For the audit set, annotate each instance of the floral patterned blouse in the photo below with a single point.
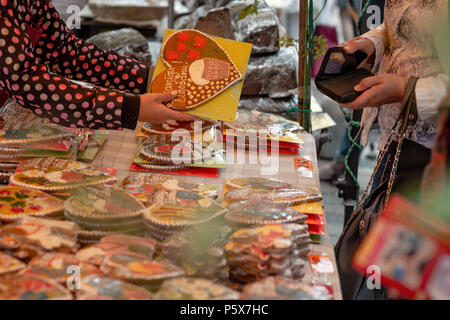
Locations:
(39, 58)
(405, 46)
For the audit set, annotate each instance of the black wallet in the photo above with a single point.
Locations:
(339, 74)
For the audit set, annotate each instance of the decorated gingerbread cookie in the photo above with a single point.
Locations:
(96, 287)
(20, 137)
(9, 264)
(16, 202)
(194, 289)
(43, 233)
(198, 68)
(170, 126)
(52, 174)
(31, 287)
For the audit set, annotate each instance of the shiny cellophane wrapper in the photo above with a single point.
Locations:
(170, 126)
(288, 196)
(257, 183)
(31, 287)
(278, 288)
(160, 152)
(54, 265)
(9, 264)
(200, 250)
(262, 212)
(191, 210)
(255, 253)
(95, 287)
(52, 174)
(142, 186)
(194, 289)
(103, 205)
(274, 127)
(45, 234)
(206, 150)
(96, 253)
(16, 202)
(136, 268)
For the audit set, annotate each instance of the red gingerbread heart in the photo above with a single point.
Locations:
(198, 73)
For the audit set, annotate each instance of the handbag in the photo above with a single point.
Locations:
(400, 151)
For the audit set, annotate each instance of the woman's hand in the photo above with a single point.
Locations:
(359, 44)
(153, 109)
(379, 90)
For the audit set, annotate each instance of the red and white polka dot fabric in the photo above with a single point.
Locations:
(38, 75)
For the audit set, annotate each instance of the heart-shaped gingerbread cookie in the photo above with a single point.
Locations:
(198, 68)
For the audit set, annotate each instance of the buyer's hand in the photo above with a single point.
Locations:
(379, 90)
(153, 109)
(360, 44)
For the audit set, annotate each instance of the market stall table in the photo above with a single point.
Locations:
(120, 149)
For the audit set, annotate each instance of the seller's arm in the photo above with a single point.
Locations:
(77, 59)
(27, 79)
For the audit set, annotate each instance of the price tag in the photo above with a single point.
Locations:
(321, 263)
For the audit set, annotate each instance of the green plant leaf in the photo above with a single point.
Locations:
(320, 46)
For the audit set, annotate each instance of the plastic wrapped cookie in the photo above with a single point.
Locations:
(165, 151)
(288, 196)
(96, 287)
(102, 211)
(53, 174)
(9, 264)
(255, 212)
(55, 266)
(257, 183)
(194, 289)
(31, 287)
(96, 253)
(168, 127)
(46, 234)
(138, 269)
(144, 186)
(279, 288)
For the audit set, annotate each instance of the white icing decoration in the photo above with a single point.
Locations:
(196, 72)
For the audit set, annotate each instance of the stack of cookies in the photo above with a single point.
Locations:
(179, 211)
(271, 250)
(200, 251)
(101, 211)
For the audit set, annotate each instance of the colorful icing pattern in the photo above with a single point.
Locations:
(57, 174)
(98, 203)
(32, 135)
(262, 212)
(198, 68)
(16, 202)
(31, 287)
(183, 208)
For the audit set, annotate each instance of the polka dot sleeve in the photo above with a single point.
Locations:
(27, 79)
(76, 59)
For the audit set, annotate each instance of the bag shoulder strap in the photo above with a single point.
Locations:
(409, 114)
